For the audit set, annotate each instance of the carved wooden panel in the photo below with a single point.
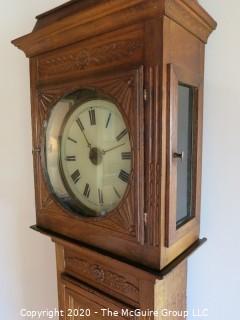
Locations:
(80, 299)
(46, 99)
(83, 273)
(126, 88)
(105, 277)
(115, 48)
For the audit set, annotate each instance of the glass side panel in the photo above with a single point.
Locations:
(185, 140)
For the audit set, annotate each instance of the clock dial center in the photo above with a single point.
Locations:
(95, 156)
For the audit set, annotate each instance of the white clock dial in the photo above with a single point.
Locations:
(96, 156)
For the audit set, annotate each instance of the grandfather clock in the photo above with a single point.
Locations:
(117, 103)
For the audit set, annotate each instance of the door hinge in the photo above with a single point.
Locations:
(145, 94)
(145, 218)
(36, 150)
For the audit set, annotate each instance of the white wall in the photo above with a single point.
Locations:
(214, 271)
(27, 262)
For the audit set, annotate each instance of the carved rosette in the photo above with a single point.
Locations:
(106, 277)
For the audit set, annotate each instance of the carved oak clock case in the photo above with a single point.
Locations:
(147, 59)
(117, 104)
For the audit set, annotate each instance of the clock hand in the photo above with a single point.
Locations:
(113, 148)
(82, 130)
(89, 144)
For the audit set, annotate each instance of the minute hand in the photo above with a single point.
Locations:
(89, 144)
(81, 127)
(113, 148)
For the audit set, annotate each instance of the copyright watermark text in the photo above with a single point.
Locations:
(108, 313)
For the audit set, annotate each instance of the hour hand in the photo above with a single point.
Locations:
(113, 148)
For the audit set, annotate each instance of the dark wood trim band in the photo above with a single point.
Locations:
(158, 274)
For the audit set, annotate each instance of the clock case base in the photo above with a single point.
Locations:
(93, 282)
(90, 280)
(136, 51)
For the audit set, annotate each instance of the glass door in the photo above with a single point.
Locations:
(183, 143)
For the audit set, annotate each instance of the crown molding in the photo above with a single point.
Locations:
(109, 15)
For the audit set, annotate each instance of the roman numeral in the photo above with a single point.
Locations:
(108, 120)
(70, 158)
(72, 140)
(100, 196)
(121, 135)
(117, 193)
(92, 116)
(126, 155)
(87, 190)
(79, 122)
(75, 176)
(124, 176)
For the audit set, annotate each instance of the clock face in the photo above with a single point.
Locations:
(94, 156)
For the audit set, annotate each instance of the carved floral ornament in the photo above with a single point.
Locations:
(99, 274)
(93, 57)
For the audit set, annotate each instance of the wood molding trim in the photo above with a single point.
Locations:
(107, 16)
(110, 15)
(190, 15)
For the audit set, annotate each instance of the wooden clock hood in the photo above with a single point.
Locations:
(78, 20)
(137, 51)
